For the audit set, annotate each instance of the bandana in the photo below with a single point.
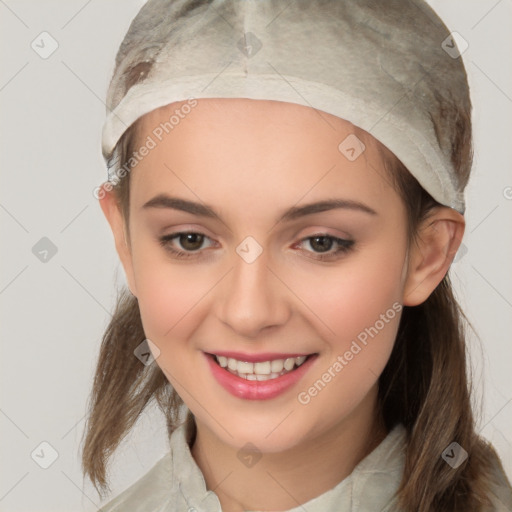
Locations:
(390, 68)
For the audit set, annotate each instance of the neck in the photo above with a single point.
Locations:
(292, 477)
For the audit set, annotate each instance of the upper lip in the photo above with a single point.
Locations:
(255, 358)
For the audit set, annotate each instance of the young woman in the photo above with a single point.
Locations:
(286, 198)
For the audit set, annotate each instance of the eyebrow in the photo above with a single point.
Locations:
(293, 213)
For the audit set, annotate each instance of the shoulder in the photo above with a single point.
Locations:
(151, 493)
(170, 483)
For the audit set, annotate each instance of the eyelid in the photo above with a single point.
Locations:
(320, 230)
(175, 229)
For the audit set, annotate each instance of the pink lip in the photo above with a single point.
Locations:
(253, 389)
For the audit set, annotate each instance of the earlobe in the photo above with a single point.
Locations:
(112, 211)
(438, 239)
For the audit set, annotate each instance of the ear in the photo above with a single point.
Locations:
(431, 254)
(112, 211)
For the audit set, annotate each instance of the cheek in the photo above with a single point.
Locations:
(351, 296)
(167, 291)
(358, 307)
(169, 300)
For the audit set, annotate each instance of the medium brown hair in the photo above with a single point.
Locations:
(425, 384)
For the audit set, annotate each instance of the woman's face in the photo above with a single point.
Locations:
(268, 276)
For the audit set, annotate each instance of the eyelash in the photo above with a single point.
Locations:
(344, 246)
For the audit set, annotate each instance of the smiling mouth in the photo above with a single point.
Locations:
(262, 370)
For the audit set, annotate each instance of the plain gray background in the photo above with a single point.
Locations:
(54, 312)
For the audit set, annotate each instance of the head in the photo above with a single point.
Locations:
(365, 280)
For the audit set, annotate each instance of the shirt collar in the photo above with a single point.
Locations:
(371, 485)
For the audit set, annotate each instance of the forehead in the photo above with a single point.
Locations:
(238, 148)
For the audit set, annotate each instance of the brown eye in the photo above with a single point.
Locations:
(325, 247)
(186, 244)
(191, 241)
(321, 243)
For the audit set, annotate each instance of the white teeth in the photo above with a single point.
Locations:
(262, 370)
(289, 363)
(244, 367)
(299, 360)
(277, 365)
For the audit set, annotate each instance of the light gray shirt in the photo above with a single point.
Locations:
(176, 484)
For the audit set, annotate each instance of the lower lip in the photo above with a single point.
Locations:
(254, 389)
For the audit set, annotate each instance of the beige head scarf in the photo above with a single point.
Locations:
(391, 68)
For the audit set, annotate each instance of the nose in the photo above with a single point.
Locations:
(253, 299)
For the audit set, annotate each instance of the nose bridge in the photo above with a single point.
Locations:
(253, 298)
